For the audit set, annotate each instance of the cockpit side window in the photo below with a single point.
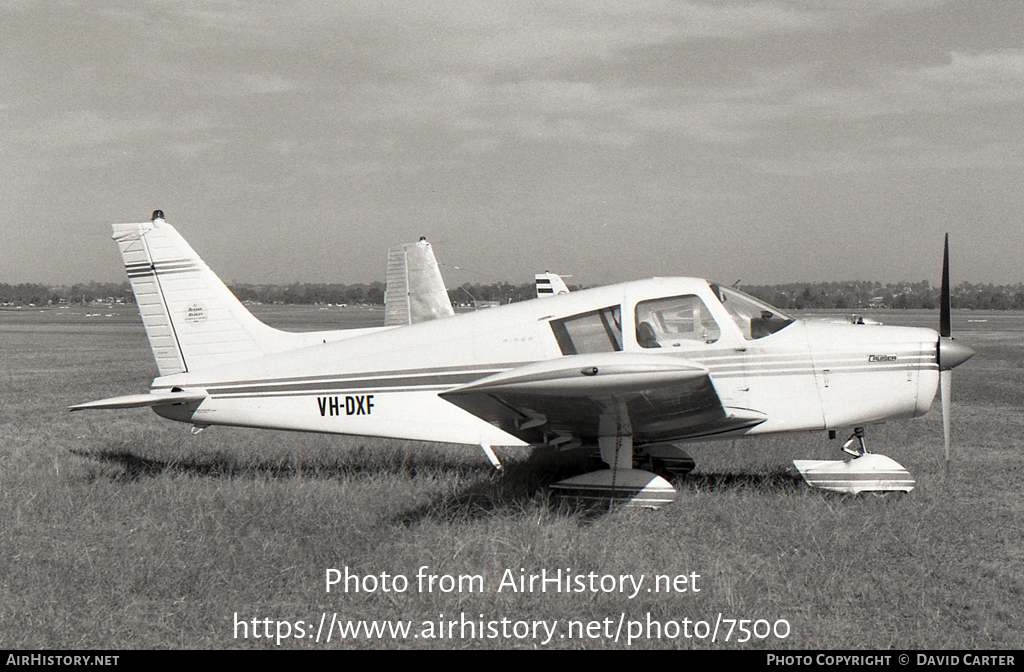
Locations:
(671, 321)
(755, 318)
(596, 331)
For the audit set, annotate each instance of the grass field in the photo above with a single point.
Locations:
(123, 530)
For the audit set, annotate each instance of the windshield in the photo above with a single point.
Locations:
(755, 318)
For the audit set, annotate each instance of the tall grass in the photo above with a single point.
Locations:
(121, 529)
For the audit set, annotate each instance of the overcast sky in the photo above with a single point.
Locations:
(295, 141)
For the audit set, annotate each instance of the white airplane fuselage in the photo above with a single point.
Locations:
(806, 376)
(632, 369)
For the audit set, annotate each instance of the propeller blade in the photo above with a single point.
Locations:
(945, 328)
(945, 391)
(949, 353)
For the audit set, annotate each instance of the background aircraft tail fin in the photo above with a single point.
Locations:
(549, 284)
(415, 290)
(192, 319)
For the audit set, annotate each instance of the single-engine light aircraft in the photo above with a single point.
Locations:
(635, 369)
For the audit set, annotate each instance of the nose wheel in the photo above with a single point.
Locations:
(866, 472)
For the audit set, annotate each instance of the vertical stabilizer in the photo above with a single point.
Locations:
(192, 319)
(549, 284)
(415, 290)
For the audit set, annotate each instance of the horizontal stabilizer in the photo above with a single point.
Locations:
(142, 400)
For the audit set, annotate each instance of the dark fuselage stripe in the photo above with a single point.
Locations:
(324, 386)
(332, 392)
(477, 371)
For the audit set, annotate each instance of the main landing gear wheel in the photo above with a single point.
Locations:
(620, 482)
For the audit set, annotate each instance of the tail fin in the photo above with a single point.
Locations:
(192, 319)
(550, 284)
(415, 290)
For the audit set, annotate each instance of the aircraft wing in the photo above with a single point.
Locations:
(664, 398)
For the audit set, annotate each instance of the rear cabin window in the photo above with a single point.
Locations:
(596, 331)
(672, 321)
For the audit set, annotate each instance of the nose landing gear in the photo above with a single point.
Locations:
(858, 435)
(866, 472)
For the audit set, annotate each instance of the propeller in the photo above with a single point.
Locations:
(950, 353)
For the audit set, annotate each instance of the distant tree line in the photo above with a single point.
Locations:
(855, 295)
(791, 296)
(41, 295)
(311, 293)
